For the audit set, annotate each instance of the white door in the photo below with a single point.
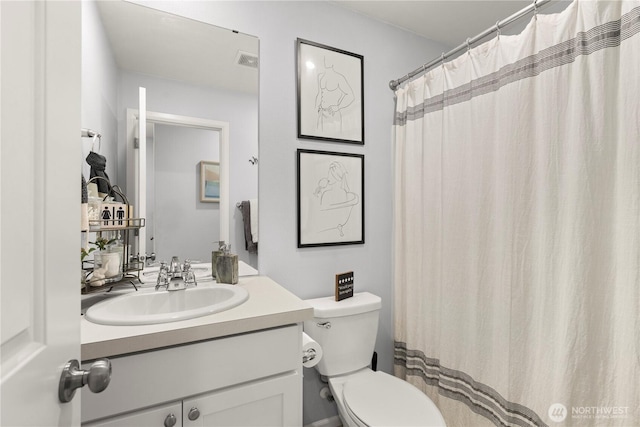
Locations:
(39, 209)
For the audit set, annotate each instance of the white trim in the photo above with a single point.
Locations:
(141, 165)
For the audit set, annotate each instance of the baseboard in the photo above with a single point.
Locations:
(327, 422)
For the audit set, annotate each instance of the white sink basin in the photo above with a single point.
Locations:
(149, 307)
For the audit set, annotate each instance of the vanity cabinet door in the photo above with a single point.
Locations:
(160, 416)
(271, 402)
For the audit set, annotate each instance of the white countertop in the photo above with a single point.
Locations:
(269, 305)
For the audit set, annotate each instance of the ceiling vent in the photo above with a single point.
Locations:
(247, 59)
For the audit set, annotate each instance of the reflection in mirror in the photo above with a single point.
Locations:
(179, 223)
(192, 69)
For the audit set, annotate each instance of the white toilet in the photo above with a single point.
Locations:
(346, 331)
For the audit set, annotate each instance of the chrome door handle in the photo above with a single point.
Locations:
(97, 377)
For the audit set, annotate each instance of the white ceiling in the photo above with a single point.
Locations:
(149, 41)
(449, 22)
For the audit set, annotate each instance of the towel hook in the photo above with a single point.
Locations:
(88, 133)
(93, 143)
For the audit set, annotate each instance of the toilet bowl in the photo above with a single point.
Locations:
(346, 331)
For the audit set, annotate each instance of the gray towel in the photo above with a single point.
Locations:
(251, 247)
(98, 165)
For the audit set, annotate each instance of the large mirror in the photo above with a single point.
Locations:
(193, 74)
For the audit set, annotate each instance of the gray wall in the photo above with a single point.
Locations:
(99, 90)
(388, 53)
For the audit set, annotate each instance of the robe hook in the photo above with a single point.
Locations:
(98, 137)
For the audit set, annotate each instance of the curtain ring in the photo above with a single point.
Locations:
(498, 28)
(535, 9)
(442, 59)
(468, 45)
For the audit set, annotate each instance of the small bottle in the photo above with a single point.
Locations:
(227, 267)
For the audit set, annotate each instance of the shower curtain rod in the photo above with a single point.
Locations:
(393, 84)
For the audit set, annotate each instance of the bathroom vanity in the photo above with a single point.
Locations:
(239, 367)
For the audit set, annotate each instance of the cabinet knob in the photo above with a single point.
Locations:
(170, 420)
(194, 413)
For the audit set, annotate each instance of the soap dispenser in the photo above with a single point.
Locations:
(227, 266)
(214, 256)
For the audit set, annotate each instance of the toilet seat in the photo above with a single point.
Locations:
(379, 399)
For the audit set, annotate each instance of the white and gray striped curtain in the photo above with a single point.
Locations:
(517, 225)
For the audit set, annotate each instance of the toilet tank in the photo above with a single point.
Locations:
(346, 330)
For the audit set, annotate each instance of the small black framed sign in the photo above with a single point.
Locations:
(330, 198)
(330, 93)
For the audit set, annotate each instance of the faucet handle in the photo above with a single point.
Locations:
(163, 267)
(163, 276)
(188, 275)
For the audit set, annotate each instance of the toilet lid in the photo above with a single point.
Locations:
(379, 399)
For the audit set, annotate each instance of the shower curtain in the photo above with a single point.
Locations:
(517, 225)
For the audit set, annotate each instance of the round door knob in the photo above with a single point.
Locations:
(97, 377)
(170, 420)
(194, 413)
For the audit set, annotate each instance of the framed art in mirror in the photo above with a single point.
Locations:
(209, 181)
(330, 198)
(330, 93)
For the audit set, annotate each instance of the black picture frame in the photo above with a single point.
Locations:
(330, 93)
(330, 198)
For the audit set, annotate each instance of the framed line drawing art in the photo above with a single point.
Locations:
(330, 198)
(330, 92)
(209, 182)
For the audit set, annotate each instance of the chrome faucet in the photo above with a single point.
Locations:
(175, 277)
